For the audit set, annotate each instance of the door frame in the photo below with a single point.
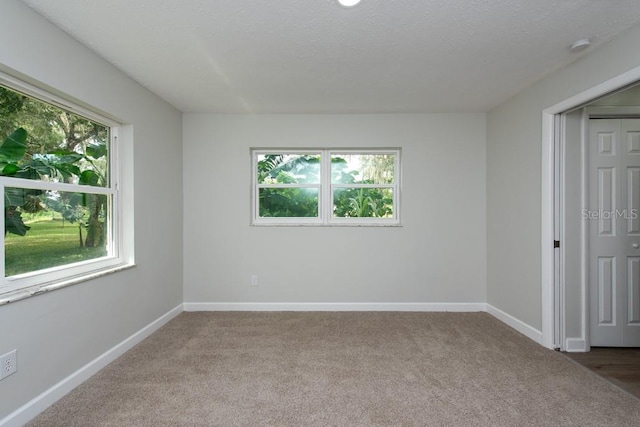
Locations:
(552, 260)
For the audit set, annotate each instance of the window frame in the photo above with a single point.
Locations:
(119, 256)
(326, 189)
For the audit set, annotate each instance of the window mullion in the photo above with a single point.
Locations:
(3, 280)
(327, 196)
(396, 186)
(113, 215)
(318, 186)
(54, 186)
(363, 186)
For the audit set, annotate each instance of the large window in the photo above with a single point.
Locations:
(59, 179)
(326, 187)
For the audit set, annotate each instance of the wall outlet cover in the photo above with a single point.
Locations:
(8, 364)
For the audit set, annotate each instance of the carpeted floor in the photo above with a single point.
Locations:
(342, 369)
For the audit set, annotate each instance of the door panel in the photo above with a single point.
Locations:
(606, 290)
(606, 201)
(633, 200)
(633, 279)
(633, 142)
(614, 231)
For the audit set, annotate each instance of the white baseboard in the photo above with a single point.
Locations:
(575, 345)
(333, 306)
(516, 324)
(35, 406)
(31, 409)
(511, 321)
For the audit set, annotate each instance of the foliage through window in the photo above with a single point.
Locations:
(59, 192)
(326, 187)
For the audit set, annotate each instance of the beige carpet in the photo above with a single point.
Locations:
(342, 369)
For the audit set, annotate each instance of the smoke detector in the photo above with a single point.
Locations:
(580, 45)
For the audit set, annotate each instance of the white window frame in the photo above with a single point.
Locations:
(118, 255)
(325, 189)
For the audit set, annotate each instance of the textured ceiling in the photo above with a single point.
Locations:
(313, 56)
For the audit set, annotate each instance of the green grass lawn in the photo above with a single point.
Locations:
(48, 243)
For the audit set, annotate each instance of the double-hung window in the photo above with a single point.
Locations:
(326, 187)
(59, 177)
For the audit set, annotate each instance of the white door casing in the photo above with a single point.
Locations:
(614, 232)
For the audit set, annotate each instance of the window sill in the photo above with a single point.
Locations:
(336, 224)
(31, 291)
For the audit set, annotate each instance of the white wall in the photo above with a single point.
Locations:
(469, 234)
(437, 256)
(514, 135)
(59, 332)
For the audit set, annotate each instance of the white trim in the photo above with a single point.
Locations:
(35, 406)
(559, 230)
(505, 318)
(547, 211)
(26, 292)
(547, 273)
(518, 325)
(595, 92)
(325, 189)
(32, 90)
(584, 232)
(575, 345)
(118, 256)
(333, 306)
(614, 111)
(55, 186)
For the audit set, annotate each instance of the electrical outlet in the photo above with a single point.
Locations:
(254, 280)
(8, 364)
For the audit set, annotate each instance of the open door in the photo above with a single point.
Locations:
(565, 316)
(614, 232)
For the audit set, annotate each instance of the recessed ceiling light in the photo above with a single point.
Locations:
(348, 3)
(580, 45)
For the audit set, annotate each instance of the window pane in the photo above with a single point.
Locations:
(49, 228)
(288, 169)
(43, 142)
(362, 168)
(288, 202)
(363, 203)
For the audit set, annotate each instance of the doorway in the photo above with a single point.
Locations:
(596, 205)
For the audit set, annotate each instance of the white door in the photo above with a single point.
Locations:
(614, 231)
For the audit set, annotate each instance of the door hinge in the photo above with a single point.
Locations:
(556, 243)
